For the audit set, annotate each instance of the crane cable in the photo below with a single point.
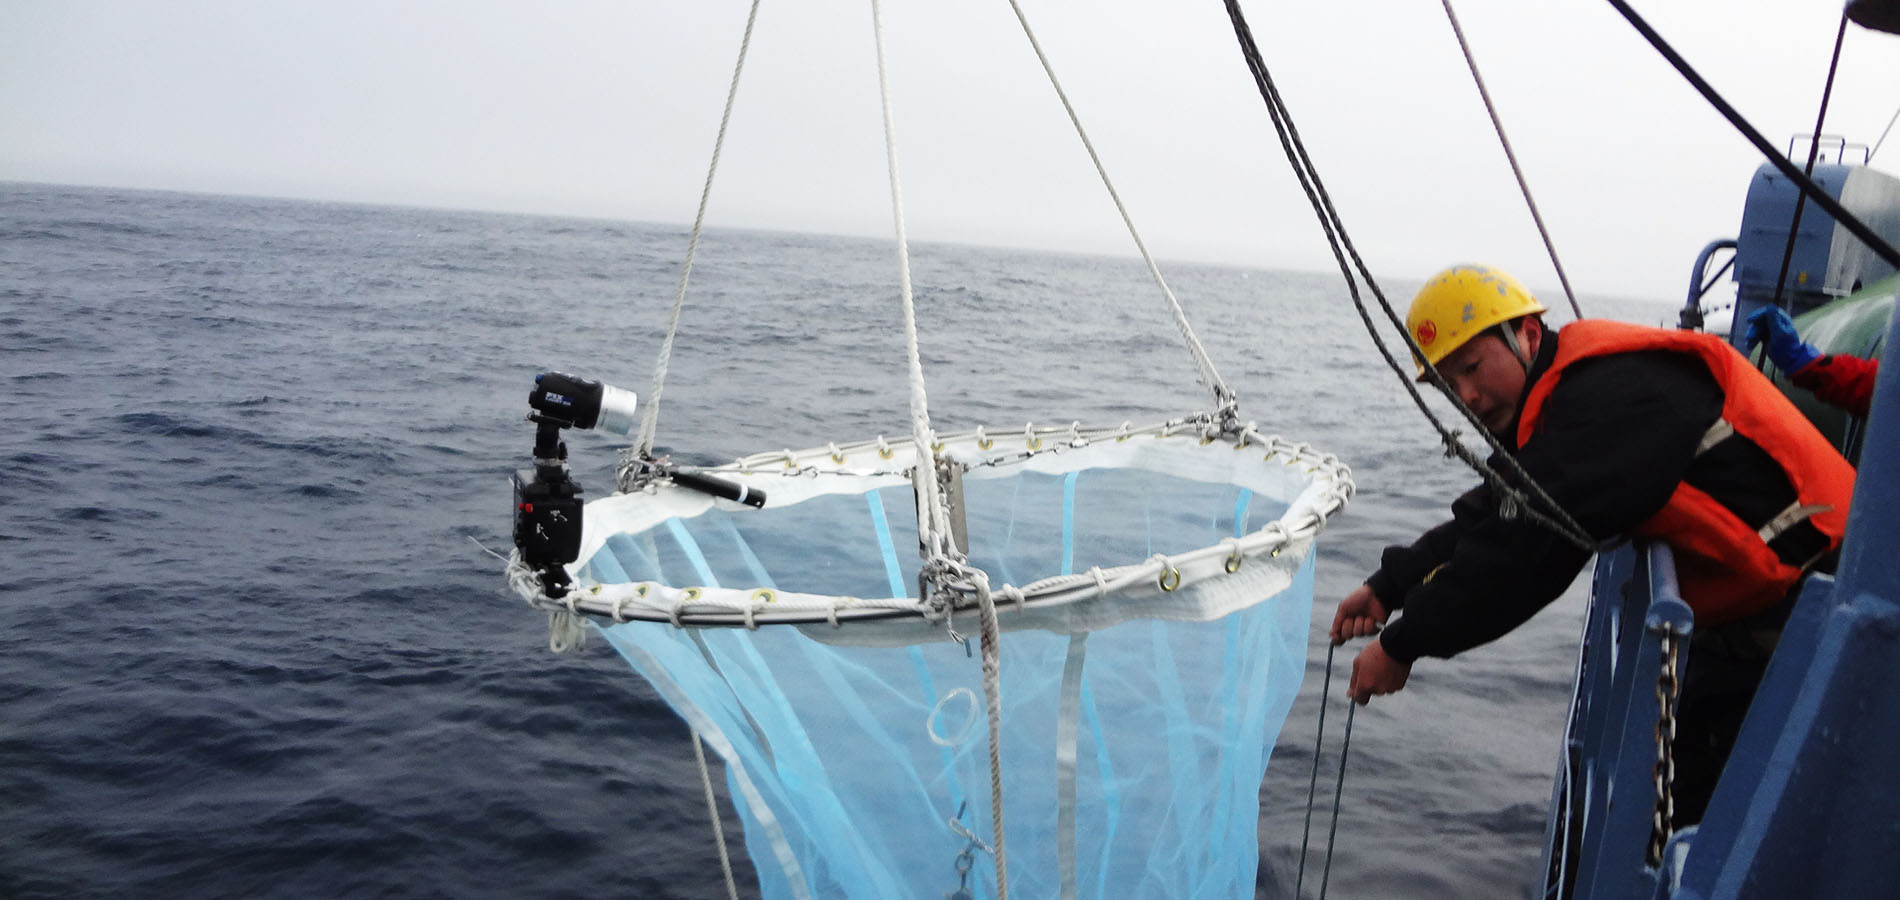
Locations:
(1522, 185)
(1530, 500)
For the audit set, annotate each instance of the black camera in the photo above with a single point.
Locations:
(547, 519)
(548, 502)
(571, 402)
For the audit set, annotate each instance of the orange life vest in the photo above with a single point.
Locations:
(1726, 569)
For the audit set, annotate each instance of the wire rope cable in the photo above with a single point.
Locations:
(1846, 219)
(1511, 155)
(1339, 788)
(1883, 135)
(643, 445)
(1312, 787)
(1223, 397)
(1814, 151)
(1530, 501)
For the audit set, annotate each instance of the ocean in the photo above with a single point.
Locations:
(255, 643)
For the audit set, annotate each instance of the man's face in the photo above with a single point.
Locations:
(1488, 378)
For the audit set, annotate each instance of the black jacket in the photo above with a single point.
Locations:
(1618, 434)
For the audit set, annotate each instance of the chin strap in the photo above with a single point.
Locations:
(1509, 335)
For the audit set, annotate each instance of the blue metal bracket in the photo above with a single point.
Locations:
(1602, 813)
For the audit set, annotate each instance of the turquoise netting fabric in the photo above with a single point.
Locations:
(1132, 754)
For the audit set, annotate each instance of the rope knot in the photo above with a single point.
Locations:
(1454, 444)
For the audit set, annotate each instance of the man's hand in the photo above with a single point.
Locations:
(1373, 672)
(1358, 615)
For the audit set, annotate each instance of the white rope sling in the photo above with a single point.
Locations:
(950, 587)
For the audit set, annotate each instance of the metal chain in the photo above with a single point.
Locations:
(1664, 775)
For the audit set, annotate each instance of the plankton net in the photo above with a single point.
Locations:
(1141, 597)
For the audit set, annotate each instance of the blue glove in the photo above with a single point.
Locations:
(1786, 349)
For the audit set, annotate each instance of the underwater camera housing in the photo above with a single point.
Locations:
(547, 503)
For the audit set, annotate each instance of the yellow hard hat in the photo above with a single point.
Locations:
(1459, 304)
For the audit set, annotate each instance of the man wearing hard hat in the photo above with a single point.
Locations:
(1635, 432)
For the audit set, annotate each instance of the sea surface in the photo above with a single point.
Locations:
(253, 641)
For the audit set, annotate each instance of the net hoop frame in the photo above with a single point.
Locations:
(880, 462)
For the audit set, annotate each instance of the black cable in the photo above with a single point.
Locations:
(1542, 508)
(1846, 219)
(1814, 150)
(1339, 787)
(1312, 788)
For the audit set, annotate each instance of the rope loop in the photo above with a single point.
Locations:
(969, 720)
(1246, 436)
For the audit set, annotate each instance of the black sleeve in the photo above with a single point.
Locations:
(1401, 568)
(1617, 435)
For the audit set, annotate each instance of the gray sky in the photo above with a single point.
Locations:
(610, 110)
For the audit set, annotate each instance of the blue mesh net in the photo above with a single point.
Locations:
(1132, 755)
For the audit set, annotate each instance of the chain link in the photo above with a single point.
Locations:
(1662, 823)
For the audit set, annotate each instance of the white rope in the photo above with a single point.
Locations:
(643, 446)
(712, 809)
(1223, 397)
(932, 521)
(993, 697)
(1522, 185)
(567, 628)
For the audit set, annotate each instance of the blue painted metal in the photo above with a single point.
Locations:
(1604, 804)
(1827, 263)
(1700, 283)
